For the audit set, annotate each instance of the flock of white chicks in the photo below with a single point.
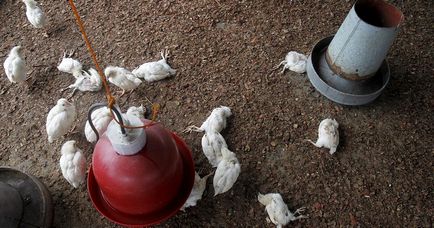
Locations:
(228, 169)
(61, 117)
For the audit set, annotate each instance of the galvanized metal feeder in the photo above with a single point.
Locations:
(350, 67)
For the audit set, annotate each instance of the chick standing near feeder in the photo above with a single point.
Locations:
(72, 163)
(60, 119)
(122, 78)
(227, 172)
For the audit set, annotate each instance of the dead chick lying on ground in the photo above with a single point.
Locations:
(101, 118)
(154, 71)
(73, 164)
(60, 119)
(294, 61)
(277, 210)
(70, 66)
(328, 135)
(122, 78)
(136, 111)
(227, 172)
(34, 14)
(15, 66)
(212, 144)
(216, 121)
(197, 191)
(86, 82)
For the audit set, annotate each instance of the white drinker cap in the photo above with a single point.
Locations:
(131, 142)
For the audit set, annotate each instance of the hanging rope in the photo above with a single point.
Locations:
(110, 99)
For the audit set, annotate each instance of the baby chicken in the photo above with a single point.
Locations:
(101, 118)
(197, 191)
(212, 144)
(87, 82)
(73, 164)
(227, 172)
(136, 111)
(60, 119)
(70, 66)
(15, 66)
(34, 14)
(154, 71)
(328, 135)
(294, 61)
(277, 209)
(122, 78)
(215, 122)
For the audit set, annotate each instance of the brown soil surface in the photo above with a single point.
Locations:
(381, 176)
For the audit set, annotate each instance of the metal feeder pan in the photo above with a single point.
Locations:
(339, 89)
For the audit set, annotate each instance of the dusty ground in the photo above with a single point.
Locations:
(381, 176)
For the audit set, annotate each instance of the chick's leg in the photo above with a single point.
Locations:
(191, 128)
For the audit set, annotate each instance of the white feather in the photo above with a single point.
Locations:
(212, 144)
(294, 61)
(154, 71)
(101, 118)
(277, 210)
(226, 173)
(34, 14)
(328, 135)
(136, 111)
(197, 191)
(122, 78)
(87, 82)
(216, 121)
(73, 164)
(60, 119)
(70, 66)
(15, 66)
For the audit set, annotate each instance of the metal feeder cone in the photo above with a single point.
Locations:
(139, 177)
(350, 68)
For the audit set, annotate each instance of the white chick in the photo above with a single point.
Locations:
(154, 71)
(34, 14)
(227, 172)
(277, 210)
(70, 66)
(60, 119)
(15, 66)
(212, 144)
(216, 121)
(136, 111)
(73, 164)
(328, 135)
(294, 61)
(87, 82)
(101, 118)
(122, 78)
(197, 191)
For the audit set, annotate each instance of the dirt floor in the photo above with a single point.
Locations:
(381, 176)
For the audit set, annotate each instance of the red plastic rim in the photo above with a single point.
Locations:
(146, 219)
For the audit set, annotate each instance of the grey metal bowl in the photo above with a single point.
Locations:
(24, 200)
(339, 89)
